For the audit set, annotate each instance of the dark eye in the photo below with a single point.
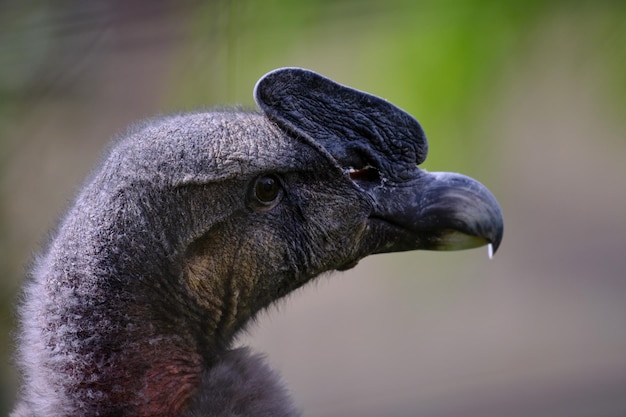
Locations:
(267, 189)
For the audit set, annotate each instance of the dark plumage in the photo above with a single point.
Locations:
(195, 222)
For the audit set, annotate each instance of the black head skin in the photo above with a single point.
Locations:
(196, 222)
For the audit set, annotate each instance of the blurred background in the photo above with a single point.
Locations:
(527, 97)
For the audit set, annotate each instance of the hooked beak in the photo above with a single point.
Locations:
(443, 211)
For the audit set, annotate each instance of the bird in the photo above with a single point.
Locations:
(193, 223)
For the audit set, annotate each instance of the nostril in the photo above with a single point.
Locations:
(366, 174)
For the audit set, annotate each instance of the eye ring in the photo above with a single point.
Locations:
(266, 190)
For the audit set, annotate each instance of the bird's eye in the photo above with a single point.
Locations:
(267, 190)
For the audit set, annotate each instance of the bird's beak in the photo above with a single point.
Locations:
(442, 211)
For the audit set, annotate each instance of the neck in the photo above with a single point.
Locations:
(127, 338)
(138, 313)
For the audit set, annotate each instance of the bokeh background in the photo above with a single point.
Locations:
(528, 97)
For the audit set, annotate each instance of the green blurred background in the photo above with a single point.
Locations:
(528, 97)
